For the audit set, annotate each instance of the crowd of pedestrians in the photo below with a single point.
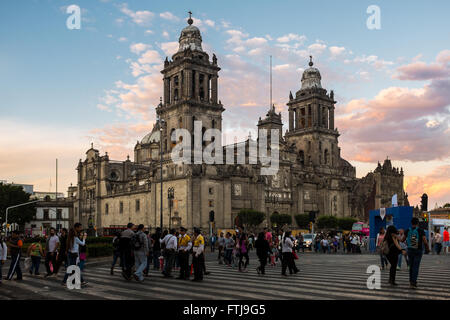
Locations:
(136, 251)
(64, 249)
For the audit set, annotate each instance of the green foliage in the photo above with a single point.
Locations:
(280, 219)
(302, 220)
(99, 250)
(250, 218)
(447, 205)
(13, 195)
(346, 223)
(327, 222)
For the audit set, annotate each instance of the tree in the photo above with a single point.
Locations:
(447, 205)
(302, 220)
(250, 218)
(13, 195)
(327, 222)
(280, 219)
(346, 223)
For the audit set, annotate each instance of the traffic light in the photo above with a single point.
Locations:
(312, 216)
(424, 202)
(425, 216)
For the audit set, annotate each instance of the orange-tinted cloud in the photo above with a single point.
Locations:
(436, 185)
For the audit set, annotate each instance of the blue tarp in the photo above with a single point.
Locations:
(401, 219)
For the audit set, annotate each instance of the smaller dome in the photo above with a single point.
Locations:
(152, 137)
(190, 37)
(311, 77)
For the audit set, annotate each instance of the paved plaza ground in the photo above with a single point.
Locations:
(322, 276)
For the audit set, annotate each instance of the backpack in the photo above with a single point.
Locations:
(413, 238)
(116, 244)
(385, 247)
(136, 243)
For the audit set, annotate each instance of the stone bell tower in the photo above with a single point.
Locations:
(311, 122)
(190, 87)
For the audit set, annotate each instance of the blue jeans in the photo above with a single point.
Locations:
(400, 260)
(227, 256)
(35, 263)
(140, 261)
(81, 264)
(72, 261)
(414, 257)
(116, 256)
(383, 259)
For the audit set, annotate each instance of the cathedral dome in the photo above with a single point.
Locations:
(311, 77)
(152, 137)
(190, 37)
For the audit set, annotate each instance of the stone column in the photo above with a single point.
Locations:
(331, 115)
(197, 86)
(166, 90)
(214, 93)
(206, 87)
(291, 120)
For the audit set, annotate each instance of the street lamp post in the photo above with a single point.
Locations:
(12, 207)
(161, 121)
(170, 197)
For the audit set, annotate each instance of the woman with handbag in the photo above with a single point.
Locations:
(380, 238)
(288, 258)
(392, 248)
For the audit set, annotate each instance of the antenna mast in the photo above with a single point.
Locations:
(270, 106)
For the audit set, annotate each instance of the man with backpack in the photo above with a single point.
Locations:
(126, 251)
(139, 243)
(169, 244)
(416, 242)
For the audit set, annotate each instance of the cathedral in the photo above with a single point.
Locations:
(312, 175)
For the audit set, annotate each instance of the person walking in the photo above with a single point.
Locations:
(221, 246)
(438, 242)
(197, 255)
(51, 251)
(402, 242)
(391, 238)
(416, 242)
(73, 247)
(126, 251)
(116, 251)
(379, 241)
(170, 244)
(15, 246)
(35, 252)
(446, 240)
(229, 245)
(213, 242)
(243, 252)
(3, 255)
(141, 250)
(184, 246)
(156, 248)
(288, 257)
(61, 258)
(262, 251)
(150, 253)
(82, 254)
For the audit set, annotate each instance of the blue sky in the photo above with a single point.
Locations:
(71, 87)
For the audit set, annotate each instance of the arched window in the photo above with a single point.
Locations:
(326, 156)
(172, 143)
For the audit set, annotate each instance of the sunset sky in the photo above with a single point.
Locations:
(62, 89)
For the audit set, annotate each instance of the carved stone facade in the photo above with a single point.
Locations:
(312, 176)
